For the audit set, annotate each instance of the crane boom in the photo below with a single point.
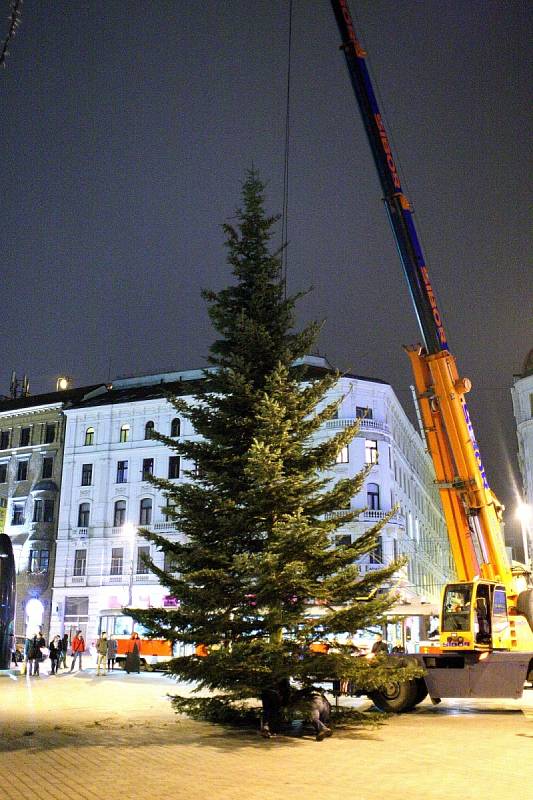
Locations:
(472, 512)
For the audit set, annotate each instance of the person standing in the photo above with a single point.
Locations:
(78, 648)
(55, 654)
(101, 654)
(35, 655)
(380, 647)
(112, 649)
(133, 652)
(64, 651)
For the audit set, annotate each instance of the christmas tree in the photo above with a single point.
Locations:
(255, 575)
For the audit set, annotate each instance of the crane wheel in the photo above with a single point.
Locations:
(397, 697)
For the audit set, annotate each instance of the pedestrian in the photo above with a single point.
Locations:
(101, 654)
(133, 652)
(55, 654)
(64, 651)
(78, 648)
(35, 655)
(379, 646)
(112, 649)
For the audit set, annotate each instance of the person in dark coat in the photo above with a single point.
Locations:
(64, 651)
(55, 654)
(133, 653)
(112, 649)
(380, 647)
(35, 655)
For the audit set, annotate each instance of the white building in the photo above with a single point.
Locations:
(105, 496)
(522, 393)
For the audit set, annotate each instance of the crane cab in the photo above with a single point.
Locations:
(475, 617)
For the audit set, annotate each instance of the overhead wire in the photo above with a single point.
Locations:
(285, 205)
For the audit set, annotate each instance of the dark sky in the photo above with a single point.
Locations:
(126, 130)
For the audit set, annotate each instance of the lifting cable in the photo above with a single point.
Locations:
(285, 207)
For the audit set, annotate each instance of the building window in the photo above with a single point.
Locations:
(86, 474)
(170, 564)
(145, 514)
(175, 427)
(142, 554)
(39, 560)
(25, 437)
(124, 433)
(49, 433)
(80, 563)
(148, 468)
(372, 496)
(174, 467)
(170, 508)
(37, 512)
(122, 472)
(148, 429)
(89, 436)
(119, 517)
(363, 412)
(17, 517)
(117, 560)
(83, 515)
(3, 473)
(48, 467)
(5, 439)
(48, 510)
(343, 456)
(22, 470)
(371, 451)
(343, 539)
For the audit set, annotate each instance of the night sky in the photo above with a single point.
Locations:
(126, 131)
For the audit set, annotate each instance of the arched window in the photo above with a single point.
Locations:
(119, 517)
(89, 436)
(124, 433)
(148, 429)
(145, 513)
(83, 515)
(372, 496)
(175, 427)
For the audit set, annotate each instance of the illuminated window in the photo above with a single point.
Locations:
(89, 436)
(124, 433)
(343, 456)
(371, 451)
(80, 563)
(117, 561)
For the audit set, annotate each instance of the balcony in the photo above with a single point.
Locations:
(370, 515)
(76, 580)
(368, 425)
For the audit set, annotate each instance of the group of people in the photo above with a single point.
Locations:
(36, 652)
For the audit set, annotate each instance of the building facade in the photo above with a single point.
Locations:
(522, 394)
(31, 451)
(109, 453)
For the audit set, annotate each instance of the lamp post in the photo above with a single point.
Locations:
(524, 512)
(131, 532)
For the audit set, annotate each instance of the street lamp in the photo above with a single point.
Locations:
(131, 533)
(524, 512)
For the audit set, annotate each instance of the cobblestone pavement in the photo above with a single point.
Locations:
(90, 737)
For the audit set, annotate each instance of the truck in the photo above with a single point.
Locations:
(485, 646)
